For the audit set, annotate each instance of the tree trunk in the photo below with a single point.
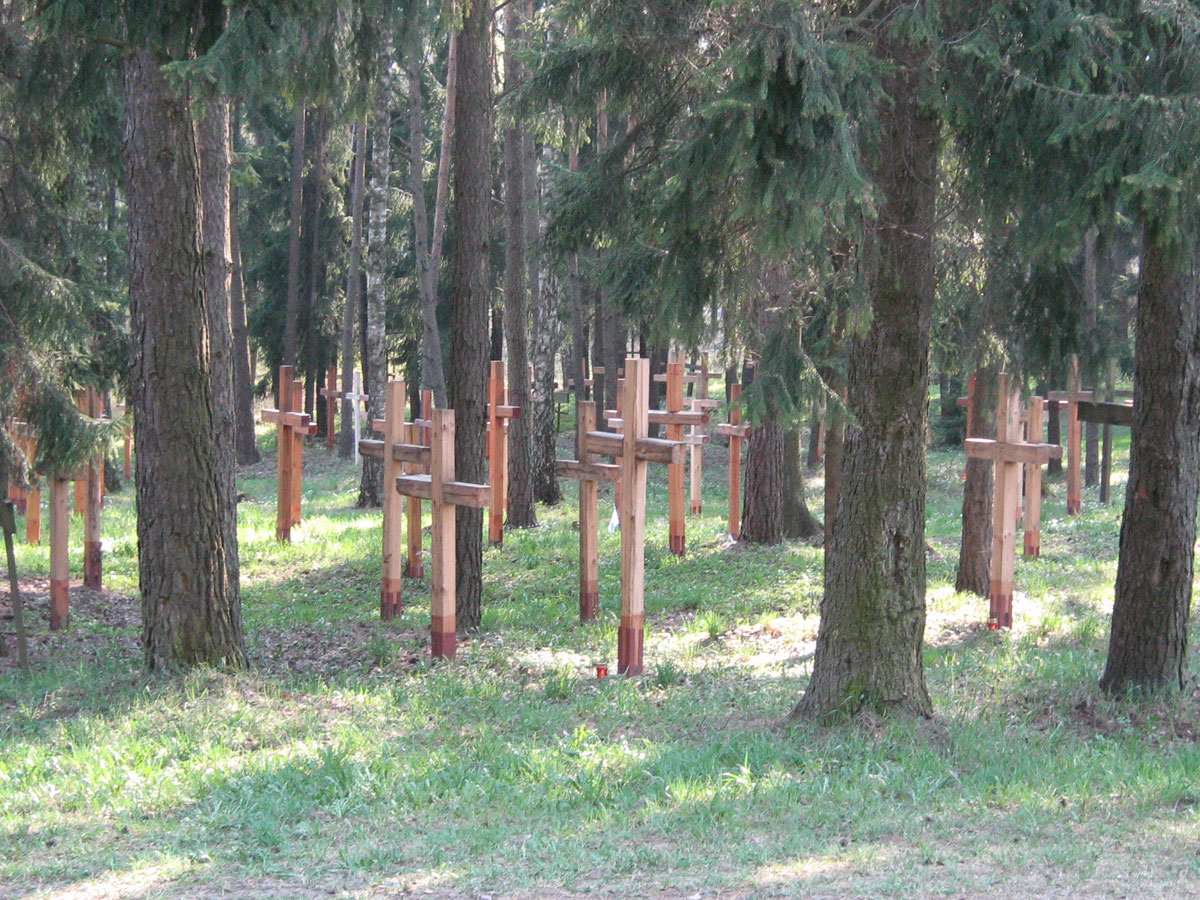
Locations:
(521, 511)
(314, 357)
(1053, 434)
(432, 376)
(797, 522)
(291, 322)
(869, 645)
(1148, 645)
(975, 550)
(353, 287)
(243, 375)
(545, 336)
(835, 426)
(762, 493)
(370, 490)
(469, 294)
(191, 609)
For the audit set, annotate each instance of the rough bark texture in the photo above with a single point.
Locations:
(190, 602)
(798, 522)
(975, 551)
(291, 322)
(521, 510)
(762, 491)
(432, 376)
(370, 489)
(545, 336)
(868, 650)
(1148, 644)
(353, 286)
(469, 280)
(243, 375)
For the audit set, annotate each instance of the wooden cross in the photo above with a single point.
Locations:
(675, 418)
(293, 425)
(1009, 455)
(633, 449)
(356, 397)
(499, 415)
(417, 433)
(1072, 397)
(60, 564)
(1033, 480)
(94, 489)
(969, 402)
(589, 473)
(332, 395)
(446, 495)
(736, 432)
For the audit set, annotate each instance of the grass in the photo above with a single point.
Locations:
(344, 764)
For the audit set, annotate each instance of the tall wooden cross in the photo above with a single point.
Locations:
(446, 495)
(675, 418)
(633, 449)
(60, 563)
(332, 395)
(736, 432)
(1033, 480)
(1072, 397)
(499, 415)
(355, 397)
(293, 425)
(1009, 453)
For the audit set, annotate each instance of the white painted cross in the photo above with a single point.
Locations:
(356, 397)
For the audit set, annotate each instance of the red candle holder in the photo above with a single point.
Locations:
(601, 671)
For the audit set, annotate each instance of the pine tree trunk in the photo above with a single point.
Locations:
(521, 511)
(545, 336)
(243, 376)
(469, 294)
(1148, 645)
(797, 522)
(432, 376)
(191, 607)
(872, 627)
(314, 362)
(975, 550)
(762, 493)
(370, 492)
(1053, 434)
(291, 322)
(353, 287)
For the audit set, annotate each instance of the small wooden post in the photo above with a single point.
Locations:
(93, 564)
(298, 435)
(1074, 439)
(331, 394)
(33, 505)
(417, 433)
(1033, 481)
(736, 432)
(60, 566)
(393, 581)
(675, 487)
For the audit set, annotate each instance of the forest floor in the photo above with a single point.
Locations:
(344, 764)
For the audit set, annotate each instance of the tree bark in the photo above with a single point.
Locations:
(243, 375)
(1148, 645)
(975, 549)
(469, 280)
(432, 376)
(370, 490)
(521, 511)
(191, 609)
(868, 652)
(798, 522)
(353, 286)
(291, 322)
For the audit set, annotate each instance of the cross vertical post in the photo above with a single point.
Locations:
(1074, 439)
(675, 487)
(1033, 481)
(331, 394)
(391, 598)
(92, 560)
(632, 512)
(60, 566)
(736, 432)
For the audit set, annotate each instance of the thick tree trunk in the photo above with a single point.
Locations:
(872, 628)
(521, 511)
(370, 490)
(243, 375)
(314, 352)
(291, 322)
(191, 609)
(358, 177)
(432, 376)
(469, 283)
(762, 491)
(1148, 645)
(975, 551)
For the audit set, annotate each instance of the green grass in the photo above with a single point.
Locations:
(345, 764)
